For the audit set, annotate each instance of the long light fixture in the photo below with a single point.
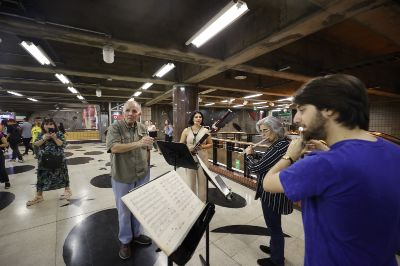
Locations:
(146, 85)
(255, 103)
(224, 101)
(62, 78)
(164, 70)
(136, 94)
(72, 89)
(37, 53)
(238, 105)
(286, 99)
(208, 104)
(252, 96)
(32, 99)
(15, 93)
(80, 97)
(230, 13)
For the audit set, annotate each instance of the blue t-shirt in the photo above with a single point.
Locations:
(350, 203)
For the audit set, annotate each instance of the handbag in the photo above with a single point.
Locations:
(51, 161)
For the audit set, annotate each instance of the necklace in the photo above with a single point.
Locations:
(195, 134)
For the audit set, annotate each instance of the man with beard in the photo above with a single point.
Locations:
(351, 193)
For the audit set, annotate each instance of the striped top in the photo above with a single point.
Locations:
(278, 202)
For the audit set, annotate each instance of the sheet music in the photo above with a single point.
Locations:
(215, 178)
(166, 208)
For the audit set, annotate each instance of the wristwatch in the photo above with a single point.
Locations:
(286, 157)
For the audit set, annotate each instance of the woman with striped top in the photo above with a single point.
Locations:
(273, 204)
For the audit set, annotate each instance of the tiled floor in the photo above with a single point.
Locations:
(37, 235)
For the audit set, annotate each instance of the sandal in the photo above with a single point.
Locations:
(35, 200)
(66, 195)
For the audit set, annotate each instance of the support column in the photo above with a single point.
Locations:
(184, 101)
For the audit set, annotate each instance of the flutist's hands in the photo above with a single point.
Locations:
(295, 149)
(249, 150)
(146, 141)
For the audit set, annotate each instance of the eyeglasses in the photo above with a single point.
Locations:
(265, 130)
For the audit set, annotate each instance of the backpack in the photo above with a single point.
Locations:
(15, 134)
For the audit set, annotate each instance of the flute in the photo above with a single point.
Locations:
(255, 145)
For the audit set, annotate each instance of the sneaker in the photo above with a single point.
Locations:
(124, 251)
(66, 195)
(142, 240)
(265, 249)
(35, 200)
(7, 185)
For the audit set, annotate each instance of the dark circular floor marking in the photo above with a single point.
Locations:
(6, 198)
(93, 152)
(101, 181)
(85, 243)
(68, 154)
(80, 150)
(242, 229)
(73, 147)
(100, 160)
(79, 160)
(217, 198)
(19, 169)
(108, 164)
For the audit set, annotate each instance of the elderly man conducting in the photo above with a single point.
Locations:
(129, 144)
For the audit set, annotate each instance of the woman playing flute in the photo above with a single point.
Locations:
(273, 204)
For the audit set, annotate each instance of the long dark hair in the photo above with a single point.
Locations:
(47, 121)
(191, 123)
(342, 93)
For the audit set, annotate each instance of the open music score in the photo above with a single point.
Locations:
(166, 208)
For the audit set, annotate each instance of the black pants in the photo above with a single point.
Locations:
(168, 138)
(277, 242)
(3, 172)
(27, 144)
(15, 151)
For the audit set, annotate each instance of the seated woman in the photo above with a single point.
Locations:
(273, 204)
(190, 136)
(52, 170)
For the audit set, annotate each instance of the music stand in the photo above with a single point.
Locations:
(177, 154)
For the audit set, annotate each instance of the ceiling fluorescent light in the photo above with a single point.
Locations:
(262, 107)
(259, 103)
(224, 101)
(15, 93)
(230, 13)
(136, 94)
(164, 70)
(238, 105)
(31, 99)
(72, 89)
(62, 78)
(80, 97)
(208, 104)
(252, 96)
(286, 99)
(146, 85)
(37, 53)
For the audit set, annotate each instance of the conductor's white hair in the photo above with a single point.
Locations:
(134, 103)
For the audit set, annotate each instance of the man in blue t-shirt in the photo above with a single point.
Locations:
(350, 194)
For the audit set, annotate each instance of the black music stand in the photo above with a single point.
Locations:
(177, 154)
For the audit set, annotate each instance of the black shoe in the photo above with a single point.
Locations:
(7, 186)
(265, 249)
(142, 240)
(268, 262)
(124, 251)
